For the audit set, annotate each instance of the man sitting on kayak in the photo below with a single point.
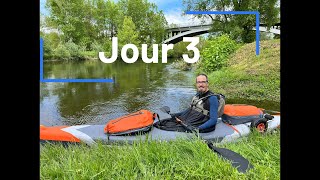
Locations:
(203, 112)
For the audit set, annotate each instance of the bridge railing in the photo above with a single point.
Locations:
(275, 26)
(188, 26)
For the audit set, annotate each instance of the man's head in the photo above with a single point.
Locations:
(202, 83)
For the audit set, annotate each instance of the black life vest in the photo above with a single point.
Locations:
(197, 114)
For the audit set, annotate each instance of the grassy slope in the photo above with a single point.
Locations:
(249, 76)
(162, 160)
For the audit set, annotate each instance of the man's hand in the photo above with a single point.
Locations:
(178, 120)
(189, 127)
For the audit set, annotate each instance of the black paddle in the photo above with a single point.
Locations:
(236, 159)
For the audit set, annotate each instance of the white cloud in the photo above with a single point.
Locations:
(175, 16)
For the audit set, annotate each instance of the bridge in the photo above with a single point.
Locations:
(176, 34)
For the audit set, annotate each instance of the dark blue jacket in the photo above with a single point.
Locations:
(212, 105)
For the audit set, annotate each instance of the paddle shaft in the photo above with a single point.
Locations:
(236, 159)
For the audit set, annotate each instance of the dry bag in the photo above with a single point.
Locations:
(133, 123)
(240, 113)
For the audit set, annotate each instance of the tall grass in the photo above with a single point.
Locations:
(179, 159)
(249, 76)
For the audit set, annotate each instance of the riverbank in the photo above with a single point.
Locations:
(249, 76)
(161, 160)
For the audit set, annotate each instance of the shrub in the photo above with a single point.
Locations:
(97, 47)
(214, 56)
(61, 52)
(73, 49)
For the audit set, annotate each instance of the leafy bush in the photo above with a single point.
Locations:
(61, 52)
(214, 56)
(50, 42)
(180, 48)
(47, 51)
(73, 49)
(96, 46)
(170, 53)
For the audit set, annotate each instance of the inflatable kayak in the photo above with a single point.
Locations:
(91, 134)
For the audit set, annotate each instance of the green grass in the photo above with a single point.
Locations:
(161, 160)
(249, 76)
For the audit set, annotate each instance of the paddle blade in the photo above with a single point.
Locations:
(236, 159)
(165, 109)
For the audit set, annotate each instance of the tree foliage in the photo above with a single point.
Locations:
(216, 52)
(239, 27)
(74, 18)
(128, 34)
(150, 22)
(87, 21)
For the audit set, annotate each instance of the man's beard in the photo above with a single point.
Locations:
(201, 92)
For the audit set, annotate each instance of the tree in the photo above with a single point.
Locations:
(128, 34)
(74, 19)
(157, 27)
(150, 23)
(239, 27)
(113, 17)
(100, 16)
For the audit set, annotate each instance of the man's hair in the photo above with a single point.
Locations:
(202, 74)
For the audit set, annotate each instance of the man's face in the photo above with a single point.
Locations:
(202, 84)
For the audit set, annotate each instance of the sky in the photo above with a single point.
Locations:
(172, 9)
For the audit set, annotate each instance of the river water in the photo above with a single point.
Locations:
(136, 86)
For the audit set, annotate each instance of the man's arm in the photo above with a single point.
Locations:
(213, 113)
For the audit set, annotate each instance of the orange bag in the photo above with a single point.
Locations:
(240, 113)
(133, 123)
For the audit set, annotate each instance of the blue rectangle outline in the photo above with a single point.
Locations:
(64, 80)
(237, 12)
